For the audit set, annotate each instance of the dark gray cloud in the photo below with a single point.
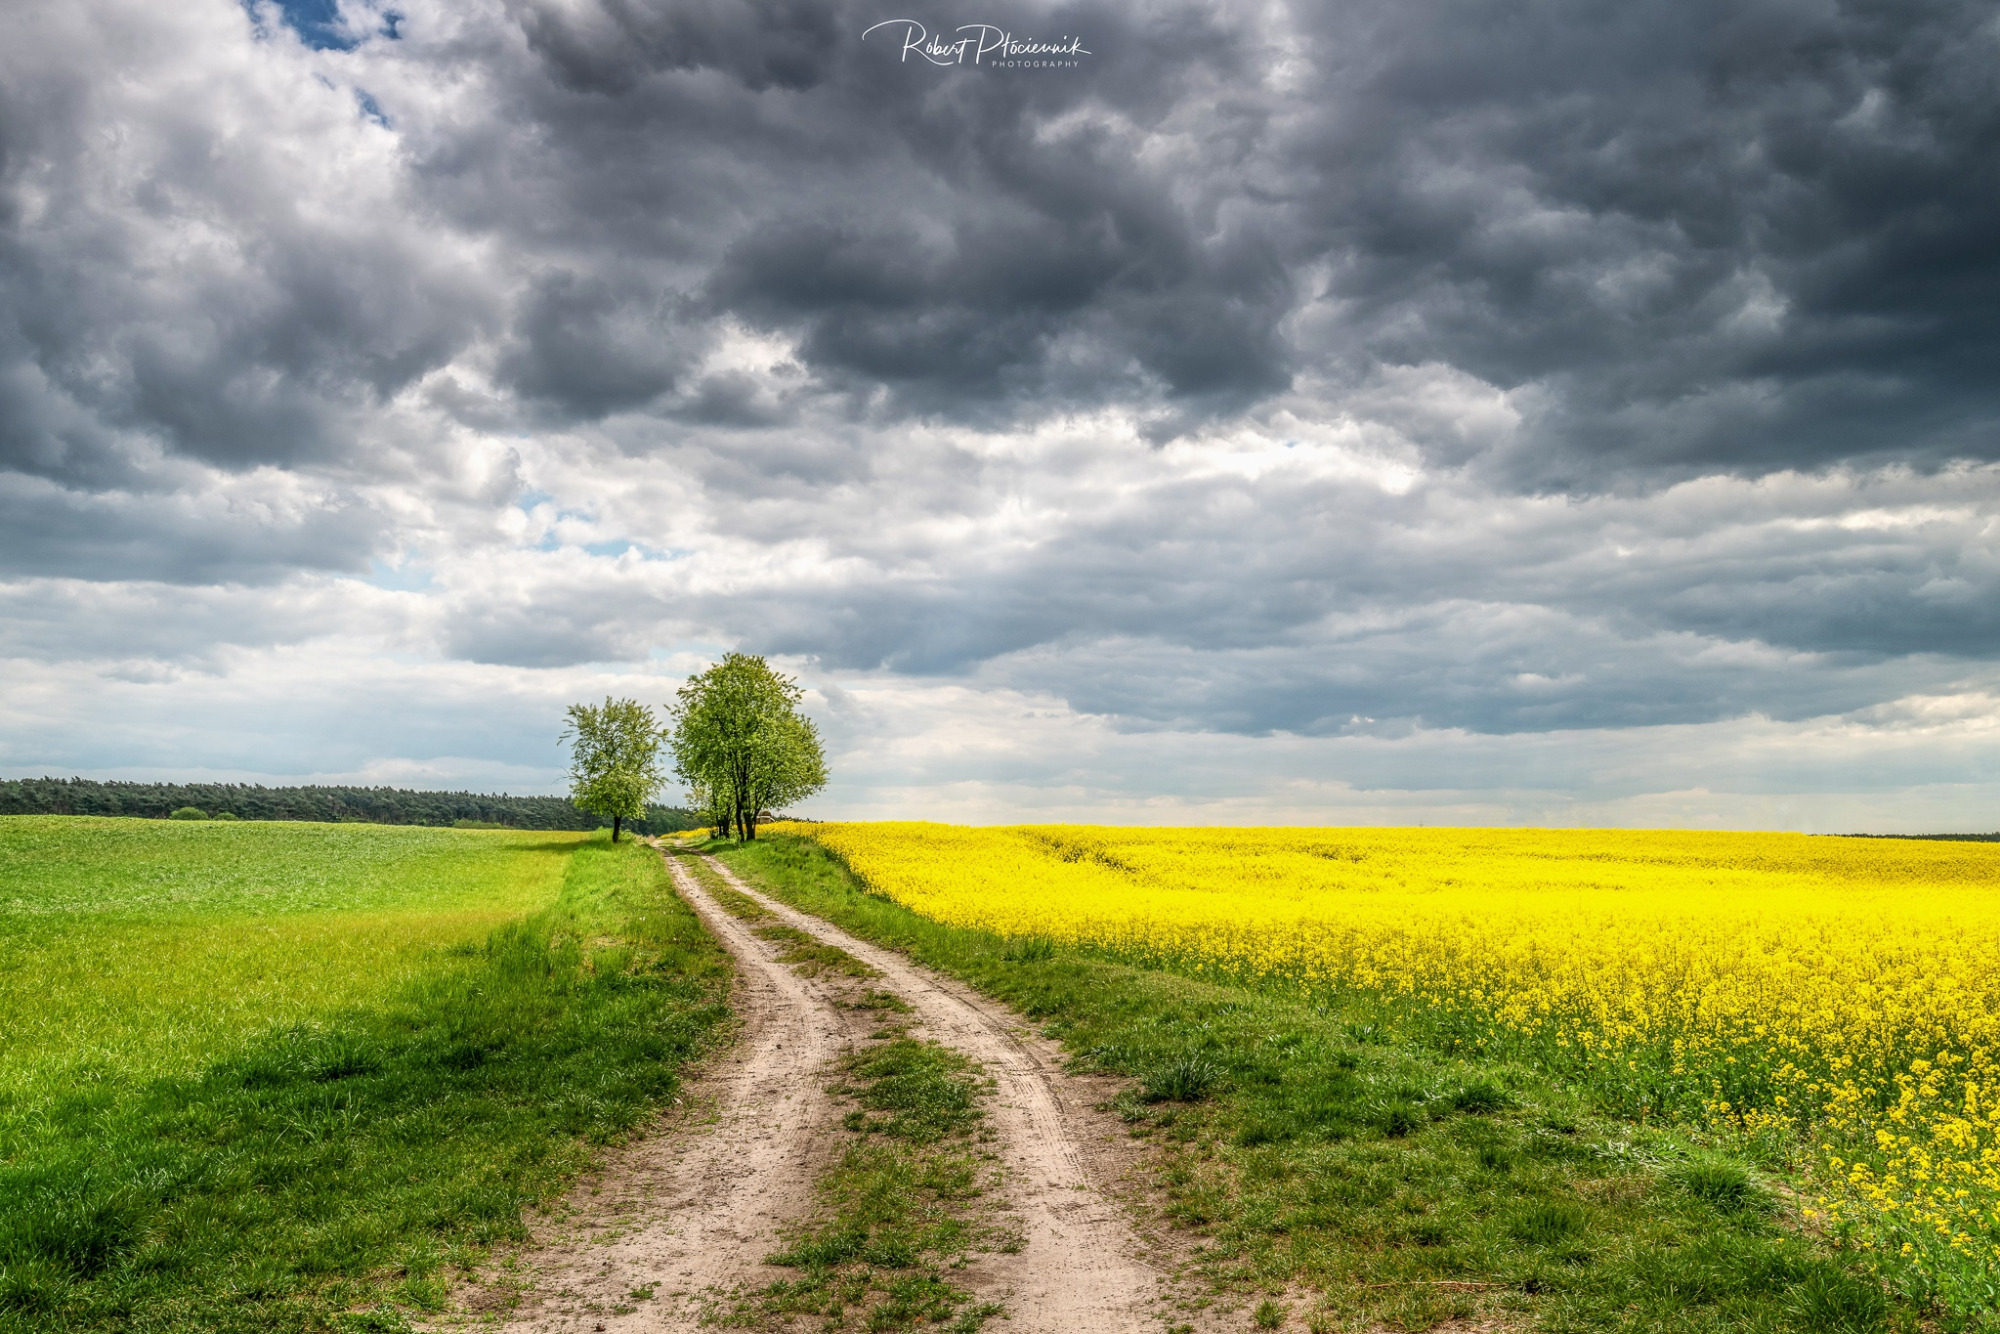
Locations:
(939, 374)
(1709, 236)
(1723, 236)
(916, 230)
(184, 538)
(589, 345)
(174, 280)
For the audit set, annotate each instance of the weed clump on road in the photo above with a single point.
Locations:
(881, 1000)
(916, 1091)
(810, 957)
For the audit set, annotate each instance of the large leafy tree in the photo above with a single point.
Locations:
(741, 745)
(615, 763)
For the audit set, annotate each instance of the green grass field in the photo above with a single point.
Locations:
(282, 1076)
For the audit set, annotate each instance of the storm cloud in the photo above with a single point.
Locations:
(1293, 375)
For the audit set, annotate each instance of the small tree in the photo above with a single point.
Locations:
(614, 766)
(741, 745)
(711, 807)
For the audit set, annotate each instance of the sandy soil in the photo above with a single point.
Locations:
(683, 1217)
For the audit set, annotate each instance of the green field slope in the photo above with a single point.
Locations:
(282, 1076)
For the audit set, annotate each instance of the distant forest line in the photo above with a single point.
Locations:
(385, 805)
(332, 805)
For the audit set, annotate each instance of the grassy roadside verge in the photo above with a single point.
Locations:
(327, 1173)
(1344, 1181)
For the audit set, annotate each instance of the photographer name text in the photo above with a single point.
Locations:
(981, 44)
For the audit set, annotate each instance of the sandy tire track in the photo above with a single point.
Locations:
(695, 1211)
(1082, 1267)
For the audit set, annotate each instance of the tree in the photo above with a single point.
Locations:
(713, 807)
(740, 744)
(614, 766)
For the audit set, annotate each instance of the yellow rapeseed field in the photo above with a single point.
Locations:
(1843, 990)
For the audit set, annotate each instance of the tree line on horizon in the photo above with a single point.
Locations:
(322, 803)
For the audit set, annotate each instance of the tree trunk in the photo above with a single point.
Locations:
(615, 821)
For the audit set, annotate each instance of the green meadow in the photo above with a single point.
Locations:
(286, 1076)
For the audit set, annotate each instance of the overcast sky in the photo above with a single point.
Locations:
(1371, 411)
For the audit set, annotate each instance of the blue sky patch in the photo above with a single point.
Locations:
(318, 24)
(409, 577)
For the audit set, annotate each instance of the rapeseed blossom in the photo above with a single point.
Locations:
(1839, 989)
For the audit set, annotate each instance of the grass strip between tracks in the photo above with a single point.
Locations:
(1336, 1179)
(906, 1203)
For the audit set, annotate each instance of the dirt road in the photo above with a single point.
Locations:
(689, 1215)
(1081, 1267)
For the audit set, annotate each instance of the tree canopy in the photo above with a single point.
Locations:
(740, 744)
(614, 765)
